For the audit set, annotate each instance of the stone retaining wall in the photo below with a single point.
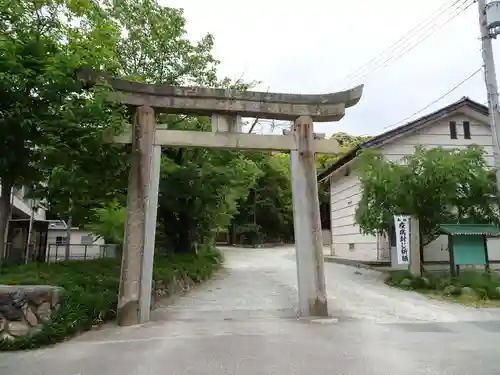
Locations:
(25, 308)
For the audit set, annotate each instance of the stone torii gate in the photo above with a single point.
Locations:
(226, 107)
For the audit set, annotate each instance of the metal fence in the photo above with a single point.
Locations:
(57, 253)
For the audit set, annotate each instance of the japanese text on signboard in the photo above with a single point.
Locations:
(402, 228)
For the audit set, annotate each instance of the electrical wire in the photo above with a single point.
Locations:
(407, 42)
(435, 101)
(401, 39)
(413, 46)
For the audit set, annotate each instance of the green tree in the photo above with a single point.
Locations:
(266, 213)
(199, 191)
(109, 222)
(436, 185)
(46, 113)
(346, 142)
(199, 188)
(154, 46)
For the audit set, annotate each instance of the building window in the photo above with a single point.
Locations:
(466, 129)
(87, 240)
(60, 240)
(453, 130)
(351, 247)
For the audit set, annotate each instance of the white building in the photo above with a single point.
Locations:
(83, 243)
(457, 125)
(24, 208)
(46, 238)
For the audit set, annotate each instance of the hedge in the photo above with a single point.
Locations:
(92, 290)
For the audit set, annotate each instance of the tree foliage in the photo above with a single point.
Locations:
(47, 115)
(108, 222)
(199, 189)
(436, 185)
(266, 214)
(347, 142)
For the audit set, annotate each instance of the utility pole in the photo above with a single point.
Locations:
(490, 80)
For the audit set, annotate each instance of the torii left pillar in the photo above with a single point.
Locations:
(134, 298)
(307, 223)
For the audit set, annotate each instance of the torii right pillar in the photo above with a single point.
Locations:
(307, 223)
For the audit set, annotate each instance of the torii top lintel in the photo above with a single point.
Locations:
(208, 101)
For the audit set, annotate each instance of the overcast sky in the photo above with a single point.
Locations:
(311, 46)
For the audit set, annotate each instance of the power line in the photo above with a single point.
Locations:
(390, 47)
(408, 42)
(405, 44)
(411, 47)
(435, 101)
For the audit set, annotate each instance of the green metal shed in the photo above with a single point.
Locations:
(467, 244)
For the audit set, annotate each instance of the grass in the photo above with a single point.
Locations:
(484, 287)
(92, 290)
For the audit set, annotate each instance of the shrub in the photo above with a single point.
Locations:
(92, 290)
(421, 283)
(485, 285)
(396, 277)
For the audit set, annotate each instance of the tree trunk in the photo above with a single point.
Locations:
(28, 251)
(67, 248)
(184, 239)
(232, 234)
(5, 210)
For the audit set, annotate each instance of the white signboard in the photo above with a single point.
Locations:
(402, 226)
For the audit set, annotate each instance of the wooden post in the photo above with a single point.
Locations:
(307, 223)
(452, 256)
(486, 256)
(415, 259)
(128, 312)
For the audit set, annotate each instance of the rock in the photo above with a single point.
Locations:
(451, 290)
(25, 308)
(30, 317)
(4, 336)
(39, 296)
(44, 311)
(406, 283)
(11, 312)
(425, 280)
(18, 328)
(57, 295)
(469, 291)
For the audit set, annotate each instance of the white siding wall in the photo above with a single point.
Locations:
(77, 249)
(438, 135)
(345, 191)
(347, 241)
(23, 204)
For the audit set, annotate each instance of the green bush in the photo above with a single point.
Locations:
(92, 290)
(486, 285)
(250, 234)
(396, 277)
